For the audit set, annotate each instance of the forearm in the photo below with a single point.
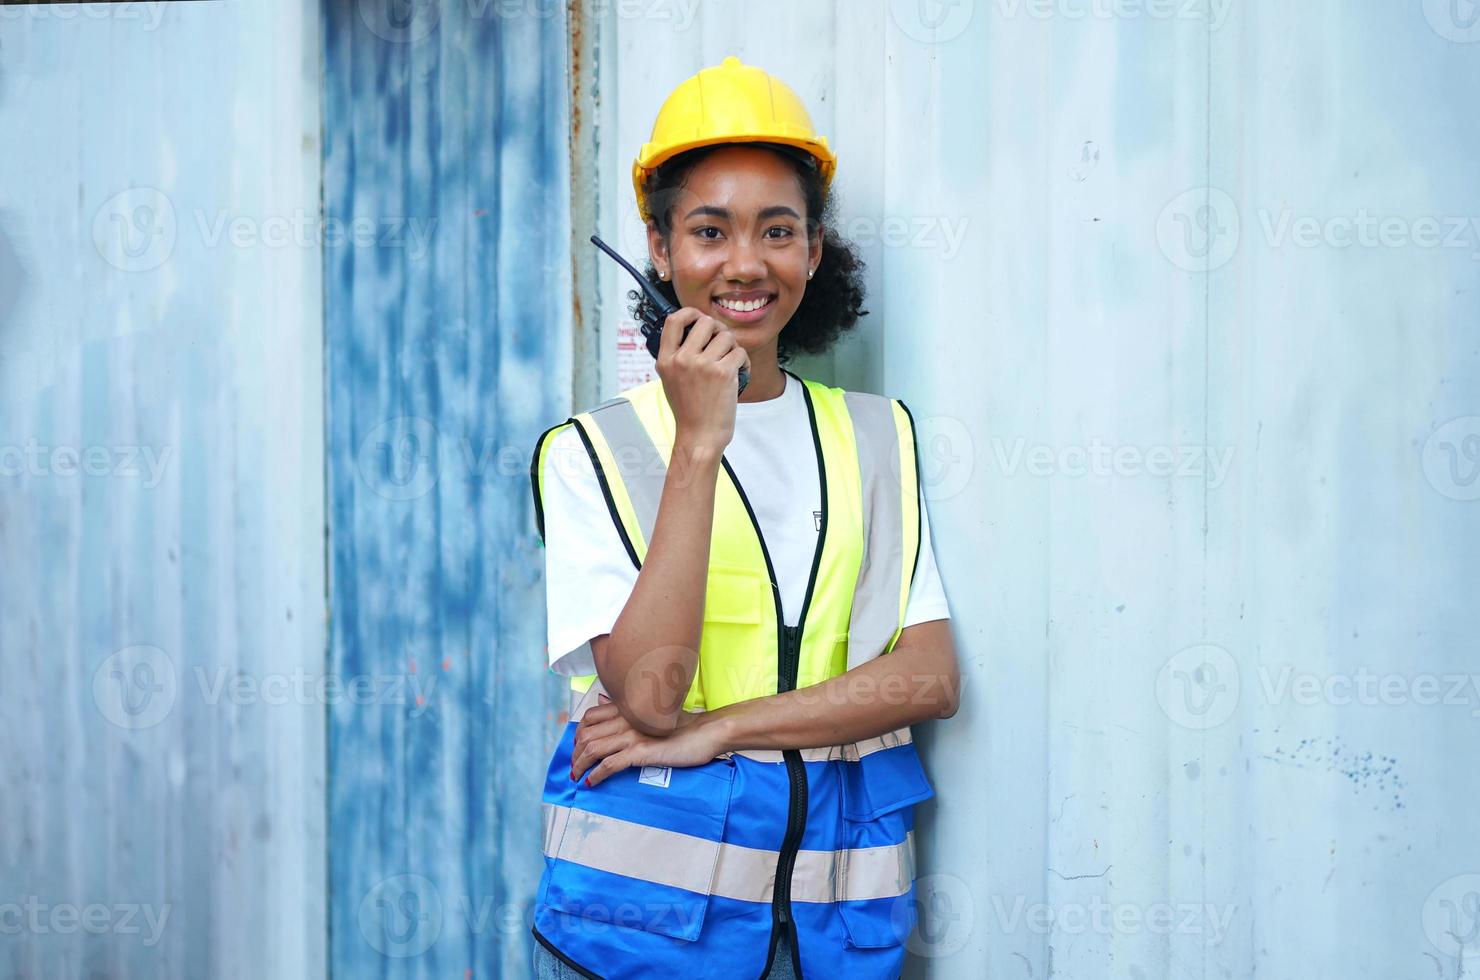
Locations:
(889, 692)
(649, 660)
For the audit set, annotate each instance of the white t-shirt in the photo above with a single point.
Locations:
(589, 576)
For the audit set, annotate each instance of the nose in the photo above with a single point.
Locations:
(743, 261)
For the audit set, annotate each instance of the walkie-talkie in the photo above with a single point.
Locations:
(652, 327)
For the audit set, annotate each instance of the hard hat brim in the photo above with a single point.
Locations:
(817, 149)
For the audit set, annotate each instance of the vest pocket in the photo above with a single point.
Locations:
(737, 648)
(877, 878)
(639, 849)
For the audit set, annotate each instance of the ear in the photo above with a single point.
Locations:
(657, 248)
(814, 249)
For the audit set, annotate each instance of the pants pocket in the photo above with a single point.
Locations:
(639, 849)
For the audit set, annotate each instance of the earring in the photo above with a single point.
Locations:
(809, 273)
(663, 276)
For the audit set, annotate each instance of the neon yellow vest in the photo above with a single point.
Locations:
(860, 580)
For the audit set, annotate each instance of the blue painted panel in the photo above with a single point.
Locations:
(447, 352)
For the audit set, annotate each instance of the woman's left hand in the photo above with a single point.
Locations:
(605, 739)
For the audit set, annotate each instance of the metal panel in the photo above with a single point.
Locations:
(161, 492)
(1199, 438)
(448, 352)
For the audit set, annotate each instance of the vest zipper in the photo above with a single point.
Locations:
(788, 665)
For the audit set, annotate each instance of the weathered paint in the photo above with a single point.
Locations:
(1139, 784)
(162, 597)
(445, 361)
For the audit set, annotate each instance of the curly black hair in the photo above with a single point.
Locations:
(832, 301)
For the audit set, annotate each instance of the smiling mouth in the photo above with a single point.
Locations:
(747, 307)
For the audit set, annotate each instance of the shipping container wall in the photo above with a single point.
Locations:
(1184, 299)
(162, 621)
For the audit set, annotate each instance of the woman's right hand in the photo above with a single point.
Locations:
(701, 377)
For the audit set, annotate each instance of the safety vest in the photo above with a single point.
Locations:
(699, 871)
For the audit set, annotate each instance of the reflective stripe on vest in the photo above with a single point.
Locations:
(694, 864)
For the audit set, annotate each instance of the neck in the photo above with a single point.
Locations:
(766, 378)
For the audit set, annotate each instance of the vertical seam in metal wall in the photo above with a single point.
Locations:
(327, 652)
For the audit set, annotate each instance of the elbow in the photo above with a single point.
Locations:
(647, 698)
(949, 701)
(649, 719)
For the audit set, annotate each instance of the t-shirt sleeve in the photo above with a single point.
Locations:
(927, 599)
(588, 573)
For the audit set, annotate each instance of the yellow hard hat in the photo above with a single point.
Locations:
(731, 103)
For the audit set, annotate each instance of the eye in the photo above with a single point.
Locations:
(785, 232)
(701, 232)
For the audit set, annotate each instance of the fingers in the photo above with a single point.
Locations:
(706, 332)
(610, 766)
(673, 326)
(737, 358)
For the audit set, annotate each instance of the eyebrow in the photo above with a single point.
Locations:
(775, 210)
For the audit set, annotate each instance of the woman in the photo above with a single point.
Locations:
(733, 795)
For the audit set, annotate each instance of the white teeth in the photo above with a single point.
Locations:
(747, 307)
